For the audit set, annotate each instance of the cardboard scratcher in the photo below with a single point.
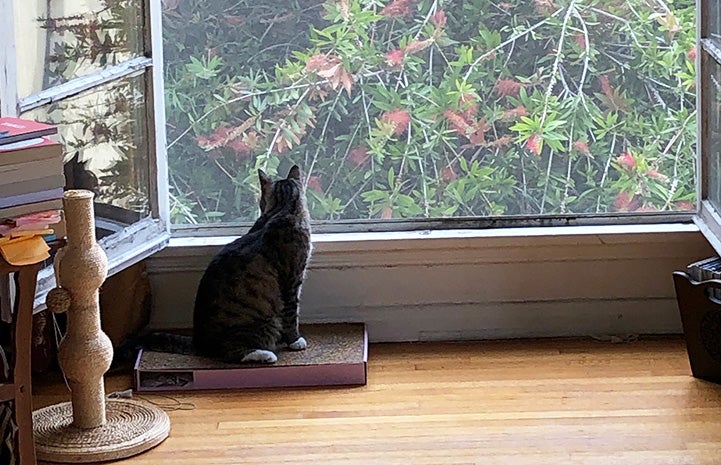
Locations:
(337, 354)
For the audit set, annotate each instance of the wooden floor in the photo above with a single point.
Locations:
(508, 402)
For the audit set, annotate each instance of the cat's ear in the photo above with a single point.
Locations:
(294, 173)
(266, 187)
(264, 179)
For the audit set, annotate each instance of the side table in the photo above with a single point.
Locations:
(19, 390)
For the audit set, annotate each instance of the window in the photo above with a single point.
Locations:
(262, 83)
(445, 111)
(89, 67)
(709, 33)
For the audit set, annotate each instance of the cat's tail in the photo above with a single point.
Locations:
(167, 342)
(127, 353)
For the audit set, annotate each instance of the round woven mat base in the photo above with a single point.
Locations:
(131, 428)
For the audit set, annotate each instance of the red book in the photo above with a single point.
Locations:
(16, 129)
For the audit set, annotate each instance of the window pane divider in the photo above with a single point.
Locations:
(709, 223)
(78, 85)
(155, 92)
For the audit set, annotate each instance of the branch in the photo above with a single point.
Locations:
(586, 57)
(322, 135)
(548, 180)
(605, 173)
(510, 40)
(568, 171)
(249, 96)
(280, 126)
(559, 49)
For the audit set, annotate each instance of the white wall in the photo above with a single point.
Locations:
(488, 284)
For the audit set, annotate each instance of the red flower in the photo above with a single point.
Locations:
(399, 119)
(217, 138)
(684, 206)
(417, 45)
(457, 122)
(654, 174)
(580, 40)
(469, 106)
(235, 138)
(464, 125)
(605, 86)
(234, 20)
(398, 8)
(544, 6)
(582, 147)
(317, 62)
(359, 156)
(314, 184)
(691, 54)
(478, 136)
(241, 148)
(508, 87)
(448, 174)
(514, 113)
(502, 141)
(203, 141)
(330, 67)
(439, 19)
(626, 202)
(626, 161)
(395, 57)
(535, 144)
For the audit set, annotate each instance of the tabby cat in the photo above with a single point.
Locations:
(246, 307)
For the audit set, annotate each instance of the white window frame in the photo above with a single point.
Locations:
(145, 237)
(709, 218)
(651, 246)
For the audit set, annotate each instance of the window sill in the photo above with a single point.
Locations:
(384, 240)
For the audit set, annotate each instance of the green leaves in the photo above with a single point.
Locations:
(398, 111)
(205, 68)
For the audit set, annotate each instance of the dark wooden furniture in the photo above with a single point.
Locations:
(19, 389)
(701, 317)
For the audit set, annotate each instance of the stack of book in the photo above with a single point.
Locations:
(31, 181)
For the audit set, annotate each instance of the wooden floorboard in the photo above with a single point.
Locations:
(537, 402)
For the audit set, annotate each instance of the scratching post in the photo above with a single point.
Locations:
(89, 428)
(85, 352)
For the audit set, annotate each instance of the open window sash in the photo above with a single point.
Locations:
(127, 236)
(708, 88)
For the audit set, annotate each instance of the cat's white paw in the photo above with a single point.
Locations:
(262, 356)
(299, 344)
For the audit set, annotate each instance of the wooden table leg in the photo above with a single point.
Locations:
(26, 279)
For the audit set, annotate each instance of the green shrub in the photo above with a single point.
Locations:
(432, 108)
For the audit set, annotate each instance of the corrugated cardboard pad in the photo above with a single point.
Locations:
(337, 354)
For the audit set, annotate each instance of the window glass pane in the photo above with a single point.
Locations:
(713, 19)
(62, 39)
(105, 140)
(713, 136)
(431, 108)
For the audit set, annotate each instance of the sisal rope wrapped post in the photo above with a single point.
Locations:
(86, 351)
(89, 428)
